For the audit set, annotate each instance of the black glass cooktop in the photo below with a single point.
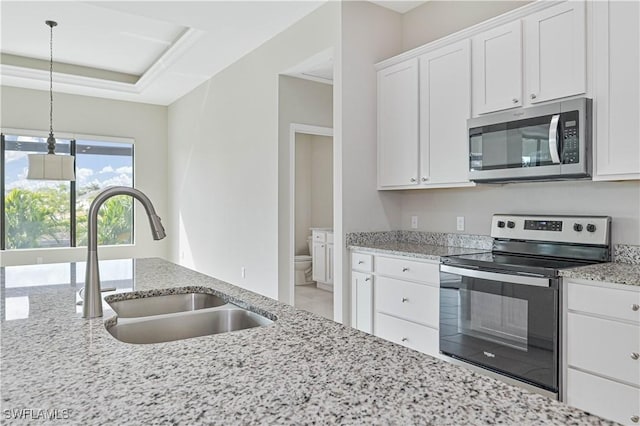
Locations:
(517, 263)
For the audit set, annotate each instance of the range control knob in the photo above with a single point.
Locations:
(501, 224)
(577, 227)
(591, 227)
(511, 224)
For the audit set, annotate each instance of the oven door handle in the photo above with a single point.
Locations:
(495, 276)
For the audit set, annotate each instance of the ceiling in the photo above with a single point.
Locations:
(144, 51)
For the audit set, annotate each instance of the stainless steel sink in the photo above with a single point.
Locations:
(166, 304)
(167, 328)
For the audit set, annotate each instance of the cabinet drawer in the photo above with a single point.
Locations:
(411, 301)
(319, 236)
(605, 398)
(408, 269)
(610, 302)
(604, 347)
(406, 333)
(362, 262)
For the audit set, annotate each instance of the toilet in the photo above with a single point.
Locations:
(302, 266)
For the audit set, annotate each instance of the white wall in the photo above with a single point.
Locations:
(224, 150)
(437, 209)
(321, 181)
(370, 34)
(303, 193)
(313, 187)
(300, 102)
(27, 109)
(436, 19)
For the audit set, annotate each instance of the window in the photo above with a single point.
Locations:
(41, 214)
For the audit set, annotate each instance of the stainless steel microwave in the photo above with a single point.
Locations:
(545, 142)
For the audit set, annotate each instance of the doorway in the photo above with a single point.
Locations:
(311, 195)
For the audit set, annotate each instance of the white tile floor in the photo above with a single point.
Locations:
(314, 300)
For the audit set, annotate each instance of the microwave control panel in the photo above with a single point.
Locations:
(570, 144)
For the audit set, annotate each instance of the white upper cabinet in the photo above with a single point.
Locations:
(445, 106)
(555, 52)
(617, 90)
(497, 68)
(398, 125)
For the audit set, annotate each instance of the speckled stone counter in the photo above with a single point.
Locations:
(302, 369)
(422, 251)
(619, 273)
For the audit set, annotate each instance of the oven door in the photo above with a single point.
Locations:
(503, 322)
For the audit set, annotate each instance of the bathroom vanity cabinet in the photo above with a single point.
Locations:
(323, 258)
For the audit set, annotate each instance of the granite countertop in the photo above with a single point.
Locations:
(421, 251)
(613, 272)
(301, 369)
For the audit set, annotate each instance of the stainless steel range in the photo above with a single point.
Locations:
(500, 310)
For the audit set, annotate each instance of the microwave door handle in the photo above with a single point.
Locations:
(553, 139)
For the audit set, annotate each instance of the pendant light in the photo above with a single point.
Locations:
(51, 166)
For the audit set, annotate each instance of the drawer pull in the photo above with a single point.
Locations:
(404, 339)
(635, 419)
(404, 299)
(360, 262)
(635, 307)
(405, 269)
(367, 279)
(635, 355)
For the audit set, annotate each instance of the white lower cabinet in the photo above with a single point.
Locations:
(603, 350)
(322, 256)
(397, 298)
(407, 333)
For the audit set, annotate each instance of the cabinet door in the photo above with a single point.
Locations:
(617, 90)
(445, 106)
(329, 263)
(555, 52)
(362, 292)
(497, 68)
(398, 125)
(319, 262)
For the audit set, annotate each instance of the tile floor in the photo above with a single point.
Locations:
(312, 299)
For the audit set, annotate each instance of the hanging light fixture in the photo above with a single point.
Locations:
(51, 166)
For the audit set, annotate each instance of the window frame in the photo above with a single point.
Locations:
(72, 187)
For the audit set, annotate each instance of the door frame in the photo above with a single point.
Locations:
(295, 128)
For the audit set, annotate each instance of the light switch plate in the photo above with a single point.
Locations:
(460, 223)
(414, 222)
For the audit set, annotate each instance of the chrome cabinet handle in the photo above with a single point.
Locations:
(360, 262)
(424, 178)
(367, 279)
(404, 299)
(635, 419)
(635, 355)
(635, 307)
(404, 339)
(413, 180)
(405, 269)
(514, 100)
(533, 96)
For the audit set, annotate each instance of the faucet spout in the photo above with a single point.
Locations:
(92, 303)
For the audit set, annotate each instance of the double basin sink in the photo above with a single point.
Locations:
(164, 318)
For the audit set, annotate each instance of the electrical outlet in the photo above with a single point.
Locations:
(414, 222)
(460, 223)
(243, 272)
